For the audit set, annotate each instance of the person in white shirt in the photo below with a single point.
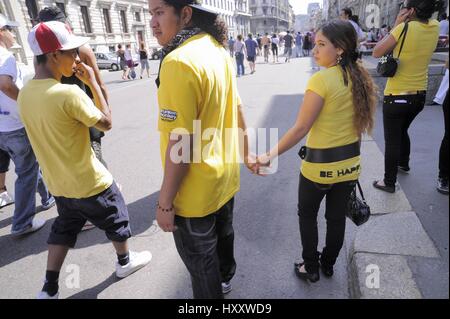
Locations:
(443, 25)
(347, 15)
(13, 137)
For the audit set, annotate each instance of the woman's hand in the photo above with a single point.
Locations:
(403, 16)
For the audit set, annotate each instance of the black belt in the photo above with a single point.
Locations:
(330, 155)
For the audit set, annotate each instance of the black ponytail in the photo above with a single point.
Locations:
(426, 8)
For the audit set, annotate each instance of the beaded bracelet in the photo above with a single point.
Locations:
(165, 210)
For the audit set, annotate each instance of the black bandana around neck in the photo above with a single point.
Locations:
(178, 40)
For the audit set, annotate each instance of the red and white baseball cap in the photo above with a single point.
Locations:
(53, 36)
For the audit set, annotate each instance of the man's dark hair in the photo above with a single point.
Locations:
(52, 14)
(348, 12)
(207, 22)
(41, 59)
(250, 35)
(444, 16)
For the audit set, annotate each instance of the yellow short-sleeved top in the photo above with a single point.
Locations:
(420, 43)
(198, 84)
(334, 127)
(57, 118)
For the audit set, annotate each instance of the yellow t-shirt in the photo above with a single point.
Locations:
(334, 127)
(57, 118)
(198, 83)
(412, 74)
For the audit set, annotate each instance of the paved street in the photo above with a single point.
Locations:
(266, 224)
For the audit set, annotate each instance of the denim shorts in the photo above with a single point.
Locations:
(107, 211)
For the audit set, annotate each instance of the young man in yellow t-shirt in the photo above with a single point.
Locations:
(57, 118)
(198, 104)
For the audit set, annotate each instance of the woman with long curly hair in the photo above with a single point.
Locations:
(338, 108)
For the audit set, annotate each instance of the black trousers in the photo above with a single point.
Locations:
(310, 195)
(206, 246)
(444, 151)
(398, 114)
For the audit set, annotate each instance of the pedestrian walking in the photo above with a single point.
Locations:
(130, 63)
(443, 179)
(122, 62)
(288, 43)
(275, 46)
(405, 93)
(443, 88)
(339, 106)
(57, 118)
(266, 47)
(307, 45)
(251, 46)
(143, 55)
(240, 52)
(231, 43)
(298, 44)
(14, 142)
(196, 199)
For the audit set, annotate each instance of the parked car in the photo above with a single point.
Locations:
(156, 54)
(110, 61)
(107, 61)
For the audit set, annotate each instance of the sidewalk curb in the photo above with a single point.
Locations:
(378, 266)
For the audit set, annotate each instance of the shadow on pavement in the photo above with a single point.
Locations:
(141, 212)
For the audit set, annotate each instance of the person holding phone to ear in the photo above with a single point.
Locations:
(405, 93)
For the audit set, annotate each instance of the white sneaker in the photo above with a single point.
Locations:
(45, 295)
(137, 261)
(6, 199)
(226, 287)
(36, 224)
(51, 202)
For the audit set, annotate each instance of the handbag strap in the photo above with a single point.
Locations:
(404, 32)
(361, 191)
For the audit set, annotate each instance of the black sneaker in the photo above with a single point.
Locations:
(312, 277)
(442, 186)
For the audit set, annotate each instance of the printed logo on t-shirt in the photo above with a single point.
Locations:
(168, 115)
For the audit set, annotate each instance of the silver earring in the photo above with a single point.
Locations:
(339, 59)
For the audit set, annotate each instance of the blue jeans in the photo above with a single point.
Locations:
(17, 145)
(43, 190)
(240, 64)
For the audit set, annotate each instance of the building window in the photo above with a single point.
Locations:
(107, 19)
(32, 11)
(86, 19)
(137, 16)
(62, 7)
(123, 18)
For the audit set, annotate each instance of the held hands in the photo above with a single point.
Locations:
(255, 163)
(85, 73)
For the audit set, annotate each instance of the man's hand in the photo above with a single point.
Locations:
(85, 73)
(165, 218)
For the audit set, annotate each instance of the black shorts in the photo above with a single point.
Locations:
(251, 59)
(107, 211)
(4, 161)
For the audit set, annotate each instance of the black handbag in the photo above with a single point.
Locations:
(388, 65)
(357, 209)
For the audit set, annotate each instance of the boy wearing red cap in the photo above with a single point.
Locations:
(57, 118)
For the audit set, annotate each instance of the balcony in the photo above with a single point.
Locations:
(241, 13)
